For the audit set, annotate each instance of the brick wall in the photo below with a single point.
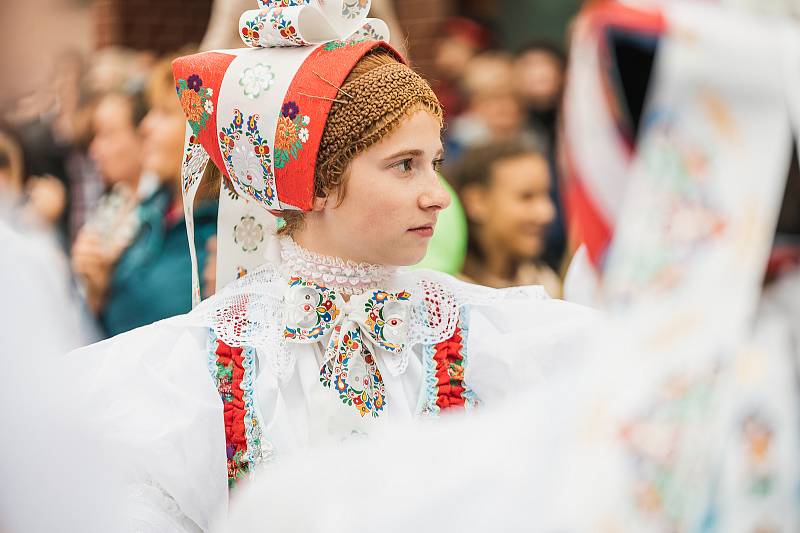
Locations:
(156, 25)
(165, 25)
(421, 19)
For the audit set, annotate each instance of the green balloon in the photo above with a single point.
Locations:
(448, 246)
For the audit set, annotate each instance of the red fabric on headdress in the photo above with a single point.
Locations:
(210, 68)
(312, 89)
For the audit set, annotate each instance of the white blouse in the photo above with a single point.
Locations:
(276, 363)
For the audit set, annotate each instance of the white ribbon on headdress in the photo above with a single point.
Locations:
(245, 229)
(195, 159)
(309, 22)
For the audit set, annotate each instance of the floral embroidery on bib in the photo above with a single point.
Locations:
(387, 318)
(312, 309)
(358, 382)
(357, 328)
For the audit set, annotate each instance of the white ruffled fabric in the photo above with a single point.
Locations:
(153, 391)
(524, 464)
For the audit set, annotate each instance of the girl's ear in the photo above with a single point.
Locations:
(473, 198)
(319, 203)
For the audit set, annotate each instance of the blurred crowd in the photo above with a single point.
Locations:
(502, 112)
(90, 164)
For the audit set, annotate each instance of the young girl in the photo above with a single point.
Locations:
(330, 337)
(505, 189)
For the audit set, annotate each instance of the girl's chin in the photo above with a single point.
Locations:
(408, 256)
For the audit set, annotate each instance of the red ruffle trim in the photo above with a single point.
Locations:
(234, 410)
(450, 372)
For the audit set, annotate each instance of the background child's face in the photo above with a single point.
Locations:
(514, 208)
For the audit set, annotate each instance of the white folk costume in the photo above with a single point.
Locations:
(302, 349)
(682, 411)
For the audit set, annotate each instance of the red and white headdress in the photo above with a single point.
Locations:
(259, 114)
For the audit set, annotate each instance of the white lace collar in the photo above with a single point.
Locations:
(341, 275)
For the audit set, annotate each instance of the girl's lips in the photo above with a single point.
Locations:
(423, 231)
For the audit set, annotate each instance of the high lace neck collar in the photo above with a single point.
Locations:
(342, 275)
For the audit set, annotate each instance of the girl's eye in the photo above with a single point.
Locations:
(437, 164)
(403, 166)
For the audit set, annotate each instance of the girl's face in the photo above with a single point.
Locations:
(392, 196)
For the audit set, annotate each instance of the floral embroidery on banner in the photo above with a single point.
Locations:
(291, 133)
(195, 101)
(256, 80)
(248, 161)
(248, 233)
(652, 439)
(757, 435)
(352, 9)
(311, 310)
(684, 216)
(358, 385)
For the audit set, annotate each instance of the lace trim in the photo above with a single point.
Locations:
(253, 311)
(444, 365)
(427, 401)
(470, 398)
(344, 276)
(259, 449)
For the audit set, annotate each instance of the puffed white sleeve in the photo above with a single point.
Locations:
(151, 394)
(519, 341)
